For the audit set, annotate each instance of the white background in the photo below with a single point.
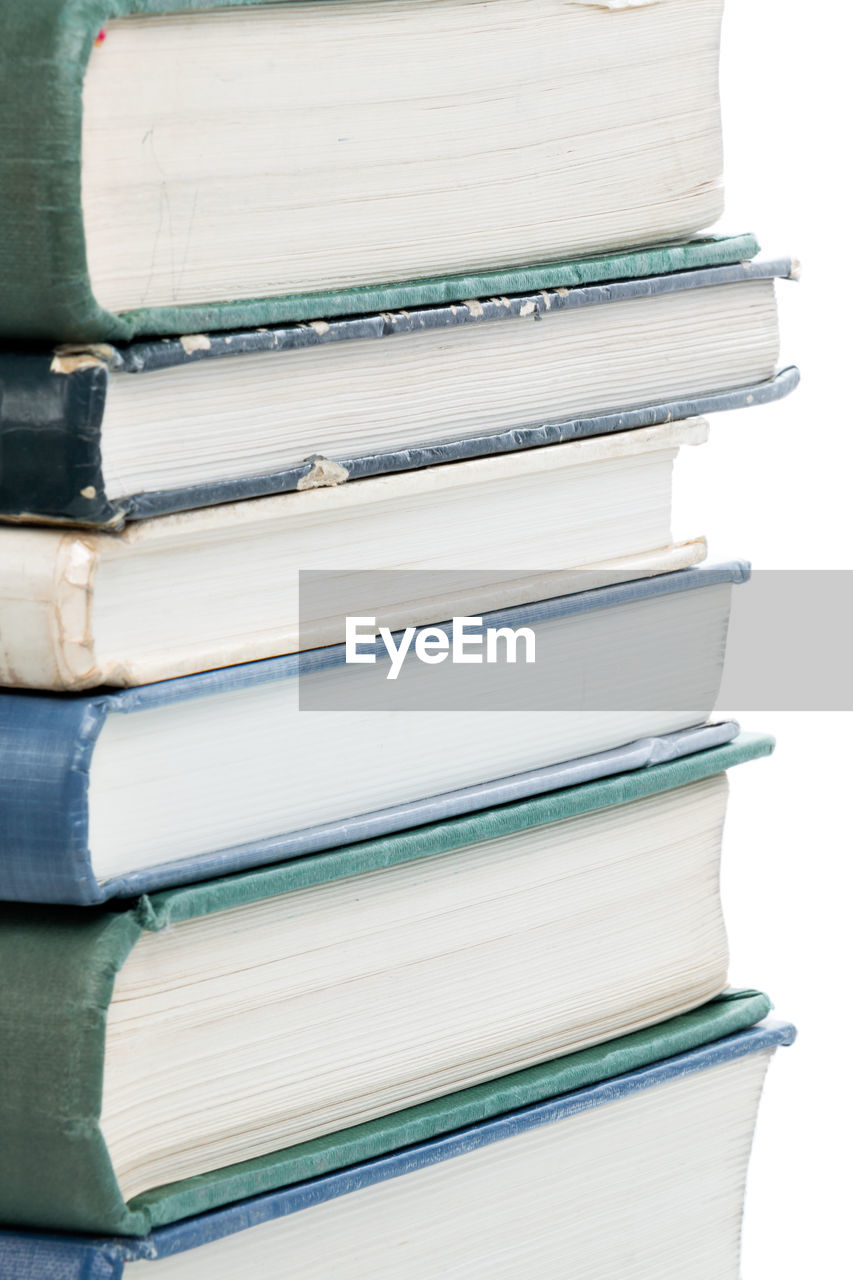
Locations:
(774, 486)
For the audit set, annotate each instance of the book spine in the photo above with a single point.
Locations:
(58, 971)
(32, 1257)
(46, 747)
(44, 53)
(50, 436)
(46, 589)
(51, 409)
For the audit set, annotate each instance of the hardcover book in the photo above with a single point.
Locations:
(103, 434)
(222, 585)
(114, 793)
(185, 1033)
(343, 145)
(626, 1161)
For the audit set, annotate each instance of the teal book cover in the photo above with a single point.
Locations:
(305, 197)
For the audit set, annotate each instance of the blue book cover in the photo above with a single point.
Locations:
(56, 751)
(58, 409)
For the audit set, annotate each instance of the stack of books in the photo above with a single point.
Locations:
(343, 340)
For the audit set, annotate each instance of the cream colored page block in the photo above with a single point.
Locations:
(236, 599)
(255, 413)
(649, 1187)
(234, 570)
(186, 778)
(267, 1025)
(386, 139)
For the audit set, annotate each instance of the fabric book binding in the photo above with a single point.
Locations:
(211, 418)
(125, 215)
(96, 1101)
(96, 799)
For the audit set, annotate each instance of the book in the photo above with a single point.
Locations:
(233, 583)
(53, 864)
(342, 145)
(103, 434)
(628, 1158)
(115, 793)
(177, 1035)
